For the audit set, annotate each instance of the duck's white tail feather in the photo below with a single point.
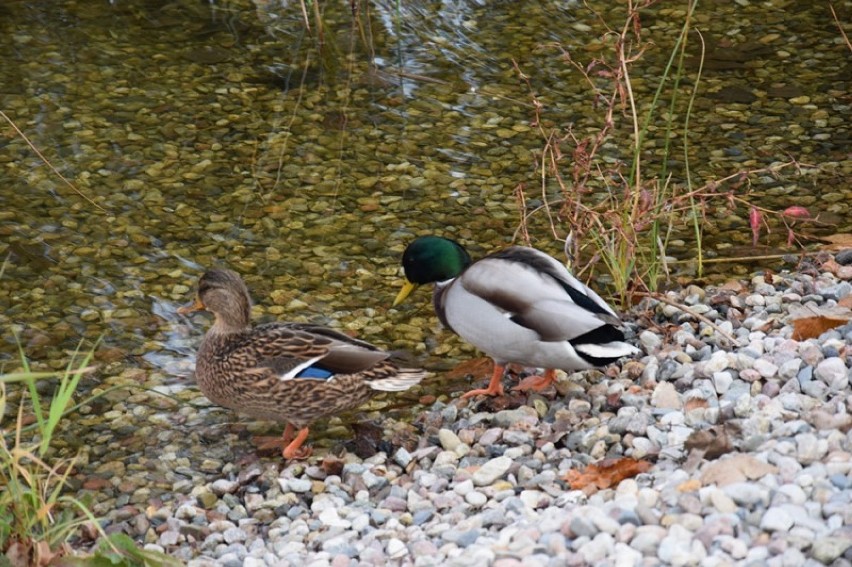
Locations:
(405, 379)
(615, 349)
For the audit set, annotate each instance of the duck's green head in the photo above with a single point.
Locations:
(431, 259)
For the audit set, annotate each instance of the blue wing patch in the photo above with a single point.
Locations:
(316, 372)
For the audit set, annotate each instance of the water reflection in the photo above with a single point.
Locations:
(226, 134)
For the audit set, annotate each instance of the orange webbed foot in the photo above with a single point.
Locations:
(536, 383)
(495, 386)
(295, 450)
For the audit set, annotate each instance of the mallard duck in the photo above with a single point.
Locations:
(518, 305)
(291, 372)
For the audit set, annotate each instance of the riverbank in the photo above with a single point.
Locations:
(749, 446)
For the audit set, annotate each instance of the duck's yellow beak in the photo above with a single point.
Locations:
(404, 292)
(192, 308)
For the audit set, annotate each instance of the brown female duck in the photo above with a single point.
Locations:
(291, 372)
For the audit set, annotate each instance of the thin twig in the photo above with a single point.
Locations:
(752, 258)
(685, 309)
(837, 21)
(50, 165)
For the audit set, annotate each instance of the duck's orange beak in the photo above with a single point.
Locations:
(192, 308)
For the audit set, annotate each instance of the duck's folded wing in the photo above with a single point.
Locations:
(565, 321)
(304, 350)
(530, 295)
(547, 268)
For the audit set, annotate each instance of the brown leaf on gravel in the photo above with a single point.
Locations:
(475, 367)
(812, 327)
(713, 442)
(733, 285)
(838, 241)
(736, 468)
(332, 466)
(367, 438)
(605, 474)
(493, 404)
(43, 554)
(96, 483)
(18, 554)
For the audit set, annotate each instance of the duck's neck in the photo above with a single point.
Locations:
(236, 321)
(438, 300)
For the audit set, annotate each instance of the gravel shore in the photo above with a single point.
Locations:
(750, 448)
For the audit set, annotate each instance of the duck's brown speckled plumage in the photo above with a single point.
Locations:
(241, 371)
(255, 370)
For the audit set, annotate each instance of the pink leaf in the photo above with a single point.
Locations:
(797, 212)
(754, 217)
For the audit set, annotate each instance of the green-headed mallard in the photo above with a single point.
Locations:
(518, 305)
(291, 372)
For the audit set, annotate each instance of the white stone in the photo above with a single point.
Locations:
(665, 396)
(833, 371)
(765, 368)
(718, 361)
(476, 499)
(396, 549)
(650, 340)
(625, 556)
(722, 381)
(449, 440)
(679, 548)
(294, 485)
(722, 502)
(491, 471)
(597, 549)
(776, 520)
(463, 487)
(330, 517)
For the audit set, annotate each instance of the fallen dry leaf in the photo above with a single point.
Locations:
(713, 442)
(96, 483)
(812, 327)
(605, 474)
(733, 285)
(736, 468)
(43, 554)
(838, 241)
(332, 466)
(18, 554)
(367, 438)
(475, 367)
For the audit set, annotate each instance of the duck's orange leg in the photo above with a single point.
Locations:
(537, 383)
(495, 386)
(295, 450)
(268, 442)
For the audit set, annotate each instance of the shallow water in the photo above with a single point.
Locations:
(203, 134)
